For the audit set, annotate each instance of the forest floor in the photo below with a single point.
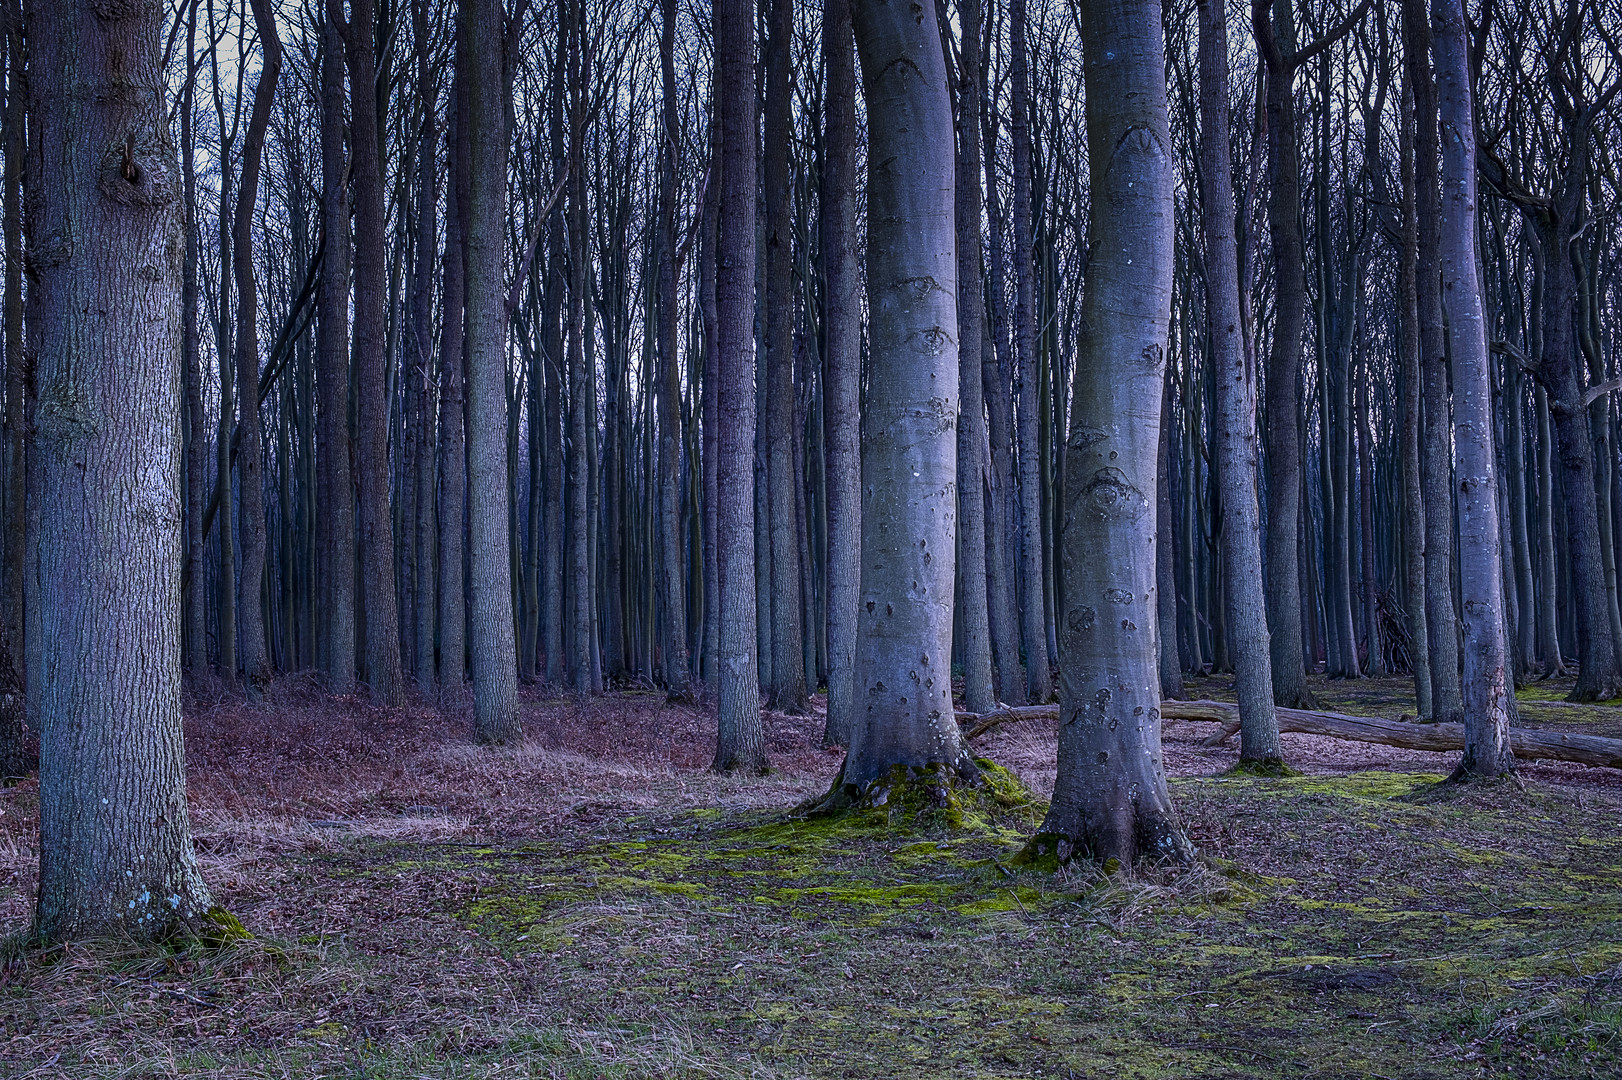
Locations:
(592, 903)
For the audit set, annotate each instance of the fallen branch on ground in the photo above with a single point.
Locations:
(1528, 743)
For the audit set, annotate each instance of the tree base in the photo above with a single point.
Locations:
(940, 795)
(1597, 687)
(1271, 768)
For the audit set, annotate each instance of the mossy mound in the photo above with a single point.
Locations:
(972, 794)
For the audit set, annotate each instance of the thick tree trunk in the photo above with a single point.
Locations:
(787, 684)
(909, 446)
(1110, 799)
(335, 518)
(975, 645)
(842, 337)
(495, 676)
(370, 357)
(740, 738)
(1235, 392)
(1488, 690)
(256, 668)
(1033, 616)
(104, 227)
(1283, 389)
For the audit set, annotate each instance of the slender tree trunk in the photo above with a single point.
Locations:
(842, 370)
(1283, 388)
(1110, 799)
(1038, 679)
(740, 739)
(673, 632)
(582, 379)
(495, 676)
(256, 667)
(370, 356)
(1171, 668)
(909, 446)
(115, 843)
(1489, 693)
(420, 355)
(1441, 625)
(1413, 495)
(975, 644)
(710, 418)
(335, 519)
(1365, 500)
(787, 685)
(17, 364)
(452, 384)
(1235, 409)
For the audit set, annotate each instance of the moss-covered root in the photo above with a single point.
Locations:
(938, 794)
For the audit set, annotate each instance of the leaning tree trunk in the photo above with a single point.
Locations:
(104, 230)
(787, 630)
(1441, 624)
(1033, 616)
(740, 738)
(335, 518)
(842, 335)
(250, 607)
(1235, 409)
(383, 671)
(909, 447)
(1489, 693)
(1110, 799)
(495, 676)
(971, 430)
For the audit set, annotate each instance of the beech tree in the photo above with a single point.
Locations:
(1110, 799)
(104, 230)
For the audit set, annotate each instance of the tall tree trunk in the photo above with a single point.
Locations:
(17, 366)
(1413, 494)
(335, 519)
(1110, 799)
(710, 414)
(495, 675)
(975, 644)
(909, 446)
(673, 632)
(1171, 668)
(582, 379)
(1235, 409)
(452, 386)
(1489, 693)
(195, 600)
(370, 356)
(740, 738)
(256, 667)
(115, 842)
(1441, 623)
(788, 692)
(1038, 678)
(841, 388)
(420, 355)
(1283, 391)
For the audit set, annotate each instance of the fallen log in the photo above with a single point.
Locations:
(1529, 743)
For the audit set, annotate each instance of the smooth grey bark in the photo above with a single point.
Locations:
(1441, 624)
(1488, 690)
(1284, 362)
(452, 615)
(1413, 493)
(909, 444)
(1110, 799)
(1235, 420)
(673, 630)
(740, 744)
(371, 261)
(1033, 615)
(975, 616)
(841, 390)
(104, 228)
(335, 519)
(787, 684)
(495, 675)
(256, 669)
